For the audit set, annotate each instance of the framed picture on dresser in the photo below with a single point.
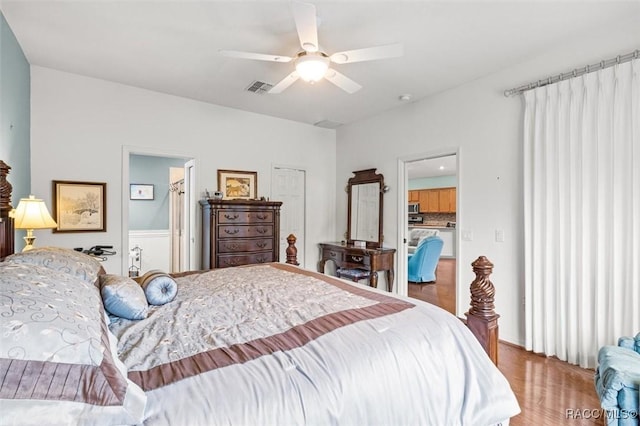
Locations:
(237, 184)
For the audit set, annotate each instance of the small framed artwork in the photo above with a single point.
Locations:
(80, 206)
(140, 191)
(236, 184)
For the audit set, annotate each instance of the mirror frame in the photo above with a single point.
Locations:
(365, 177)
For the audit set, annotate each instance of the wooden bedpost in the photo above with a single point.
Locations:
(292, 251)
(7, 235)
(482, 319)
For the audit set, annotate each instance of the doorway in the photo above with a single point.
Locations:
(430, 185)
(161, 229)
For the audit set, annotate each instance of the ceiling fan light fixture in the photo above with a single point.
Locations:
(312, 66)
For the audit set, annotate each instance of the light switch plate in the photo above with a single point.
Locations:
(467, 235)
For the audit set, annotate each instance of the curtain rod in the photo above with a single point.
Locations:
(575, 73)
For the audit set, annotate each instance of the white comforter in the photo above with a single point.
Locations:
(351, 356)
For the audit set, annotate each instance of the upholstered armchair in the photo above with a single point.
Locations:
(423, 263)
(418, 234)
(617, 379)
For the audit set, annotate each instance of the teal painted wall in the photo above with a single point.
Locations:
(147, 169)
(433, 182)
(15, 116)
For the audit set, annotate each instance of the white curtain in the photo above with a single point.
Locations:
(582, 213)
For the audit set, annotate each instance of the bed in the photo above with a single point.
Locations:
(269, 344)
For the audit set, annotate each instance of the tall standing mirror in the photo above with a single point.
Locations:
(364, 220)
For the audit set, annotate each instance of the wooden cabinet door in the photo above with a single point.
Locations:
(414, 196)
(452, 200)
(424, 200)
(443, 199)
(433, 201)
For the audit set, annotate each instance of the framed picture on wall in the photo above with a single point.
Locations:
(80, 206)
(140, 191)
(236, 184)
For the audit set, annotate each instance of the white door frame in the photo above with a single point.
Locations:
(402, 286)
(127, 151)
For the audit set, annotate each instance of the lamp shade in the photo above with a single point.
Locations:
(32, 213)
(312, 66)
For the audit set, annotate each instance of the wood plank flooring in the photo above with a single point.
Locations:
(550, 392)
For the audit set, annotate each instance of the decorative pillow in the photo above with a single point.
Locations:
(61, 259)
(57, 357)
(123, 297)
(159, 287)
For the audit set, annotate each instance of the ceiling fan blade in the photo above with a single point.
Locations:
(284, 83)
(305, 16)
(257, 56)
(368, 54)
(343, 82)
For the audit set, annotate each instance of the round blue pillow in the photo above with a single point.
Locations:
(159, 288)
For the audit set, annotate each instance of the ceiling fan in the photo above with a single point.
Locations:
(311, 63)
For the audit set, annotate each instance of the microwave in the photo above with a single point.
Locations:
(414, 208)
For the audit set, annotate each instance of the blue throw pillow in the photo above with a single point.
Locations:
(159, 288)
(123, 297)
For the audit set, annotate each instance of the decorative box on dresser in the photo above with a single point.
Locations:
(239, 232)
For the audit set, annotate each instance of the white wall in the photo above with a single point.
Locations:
(486, 128)
(79, 126)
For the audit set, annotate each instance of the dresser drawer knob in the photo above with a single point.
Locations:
(261, 244)
(262, 216)
(231, 231)
(357, 258)
(231, 216)
(262, 230)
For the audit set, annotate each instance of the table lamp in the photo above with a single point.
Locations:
(31, 214)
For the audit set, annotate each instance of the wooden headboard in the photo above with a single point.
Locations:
(7, 234)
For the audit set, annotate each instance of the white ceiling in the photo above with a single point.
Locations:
(432, 167)
(172, 46)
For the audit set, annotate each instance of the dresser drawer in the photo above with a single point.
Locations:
(228, 260)
(245, 217)
(355, 260)
(239, 231)
(237, 245)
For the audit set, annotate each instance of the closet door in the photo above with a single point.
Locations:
(288, 186)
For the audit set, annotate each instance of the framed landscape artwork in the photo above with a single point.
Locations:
(79, 206)
(236, 184)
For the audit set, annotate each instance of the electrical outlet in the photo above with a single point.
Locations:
(467, 235)
(500, 235)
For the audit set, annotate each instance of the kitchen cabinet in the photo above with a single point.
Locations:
(448, 236)
(437, 200)
(414, 196)
(424, 201)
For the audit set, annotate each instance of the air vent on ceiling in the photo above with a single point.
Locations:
(259, 87)
(328, 124)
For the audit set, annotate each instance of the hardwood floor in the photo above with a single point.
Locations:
(550, 392)
(443, 292)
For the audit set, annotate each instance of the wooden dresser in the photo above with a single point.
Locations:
(239, 232)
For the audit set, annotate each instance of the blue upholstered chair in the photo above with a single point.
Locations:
(617, 380)
(423, 263)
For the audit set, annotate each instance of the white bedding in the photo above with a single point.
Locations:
(352, 356)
